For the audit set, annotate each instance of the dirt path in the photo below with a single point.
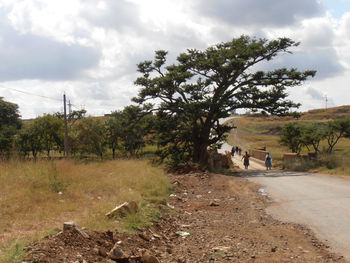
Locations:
(237, 160)
(223, 219)
(320, 202)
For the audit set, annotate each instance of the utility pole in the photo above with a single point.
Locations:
(65, 127)
(69, 107)
(326, 99)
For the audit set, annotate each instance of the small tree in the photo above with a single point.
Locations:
(113, 129)
(9, 125)
(192, 95)
(29, 141)
(312, 135)
(50, 129)
(131, 125)
(92, 136)
(335, 130)
(291, 136)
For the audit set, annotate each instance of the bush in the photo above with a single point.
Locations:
(300, 165)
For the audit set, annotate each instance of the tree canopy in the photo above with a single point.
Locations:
(192, 95)
(9, 124)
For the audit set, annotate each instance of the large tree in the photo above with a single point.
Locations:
(192, 95)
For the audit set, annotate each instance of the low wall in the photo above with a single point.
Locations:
(258, 154)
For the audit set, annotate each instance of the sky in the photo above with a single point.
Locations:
(89, 49)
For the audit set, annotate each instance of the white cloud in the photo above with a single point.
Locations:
(90, 48)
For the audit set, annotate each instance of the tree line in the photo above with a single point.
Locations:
(310, 135)
(123, 130)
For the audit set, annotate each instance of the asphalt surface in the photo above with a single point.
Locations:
(321, 202)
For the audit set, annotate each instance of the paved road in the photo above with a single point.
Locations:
(320, 202)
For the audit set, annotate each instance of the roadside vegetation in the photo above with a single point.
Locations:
(37, 197)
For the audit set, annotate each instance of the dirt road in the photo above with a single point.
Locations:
(317, 201)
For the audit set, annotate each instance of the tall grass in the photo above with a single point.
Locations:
(37, 197)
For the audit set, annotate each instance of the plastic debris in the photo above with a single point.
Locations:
(171, 206)
(262, 191)
(183, 234)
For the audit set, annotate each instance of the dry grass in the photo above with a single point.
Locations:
(31, 202)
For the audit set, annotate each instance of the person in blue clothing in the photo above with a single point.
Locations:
(268, 161)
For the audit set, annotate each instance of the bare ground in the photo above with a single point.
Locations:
(226, 221)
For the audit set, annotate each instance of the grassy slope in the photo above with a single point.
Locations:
(257, 132)
(31, 206)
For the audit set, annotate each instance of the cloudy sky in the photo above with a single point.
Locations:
(89, 48)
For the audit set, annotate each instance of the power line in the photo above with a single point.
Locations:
(32, 94)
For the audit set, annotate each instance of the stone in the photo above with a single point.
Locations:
(116, 253)
(71, 226)
(213, 203)
(147, 257)
(123, 209)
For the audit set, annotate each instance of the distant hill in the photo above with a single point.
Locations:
(330, 113)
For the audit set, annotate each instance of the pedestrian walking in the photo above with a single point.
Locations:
(233, 151)
(245, 159)
(268, 161)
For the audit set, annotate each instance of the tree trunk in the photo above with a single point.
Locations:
(200, 154)
(113, 150)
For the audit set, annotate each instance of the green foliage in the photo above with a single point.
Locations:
(129, 126)
(14, 252)
(312, 134)
(50, 130)
(92, 136)
(73, 116)
(335, 130)
(291, 137)
(204, 86)
(9, 124)
(29, 141)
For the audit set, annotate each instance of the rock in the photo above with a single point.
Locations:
(116, 253)
(147, 257)
(102, 252)
(123, 209)
(213, 203)
(71, 226)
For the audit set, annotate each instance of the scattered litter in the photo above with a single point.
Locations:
(169, 205)
(99, 197)
(209, 192)
(221, 249)
(185, 193)
(188, 213)
(172, 195)
(198, 196)
(183, 234)
(262, 191)
(59, 193)
(185, 226)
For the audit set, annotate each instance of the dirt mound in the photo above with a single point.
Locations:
(209, 218)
